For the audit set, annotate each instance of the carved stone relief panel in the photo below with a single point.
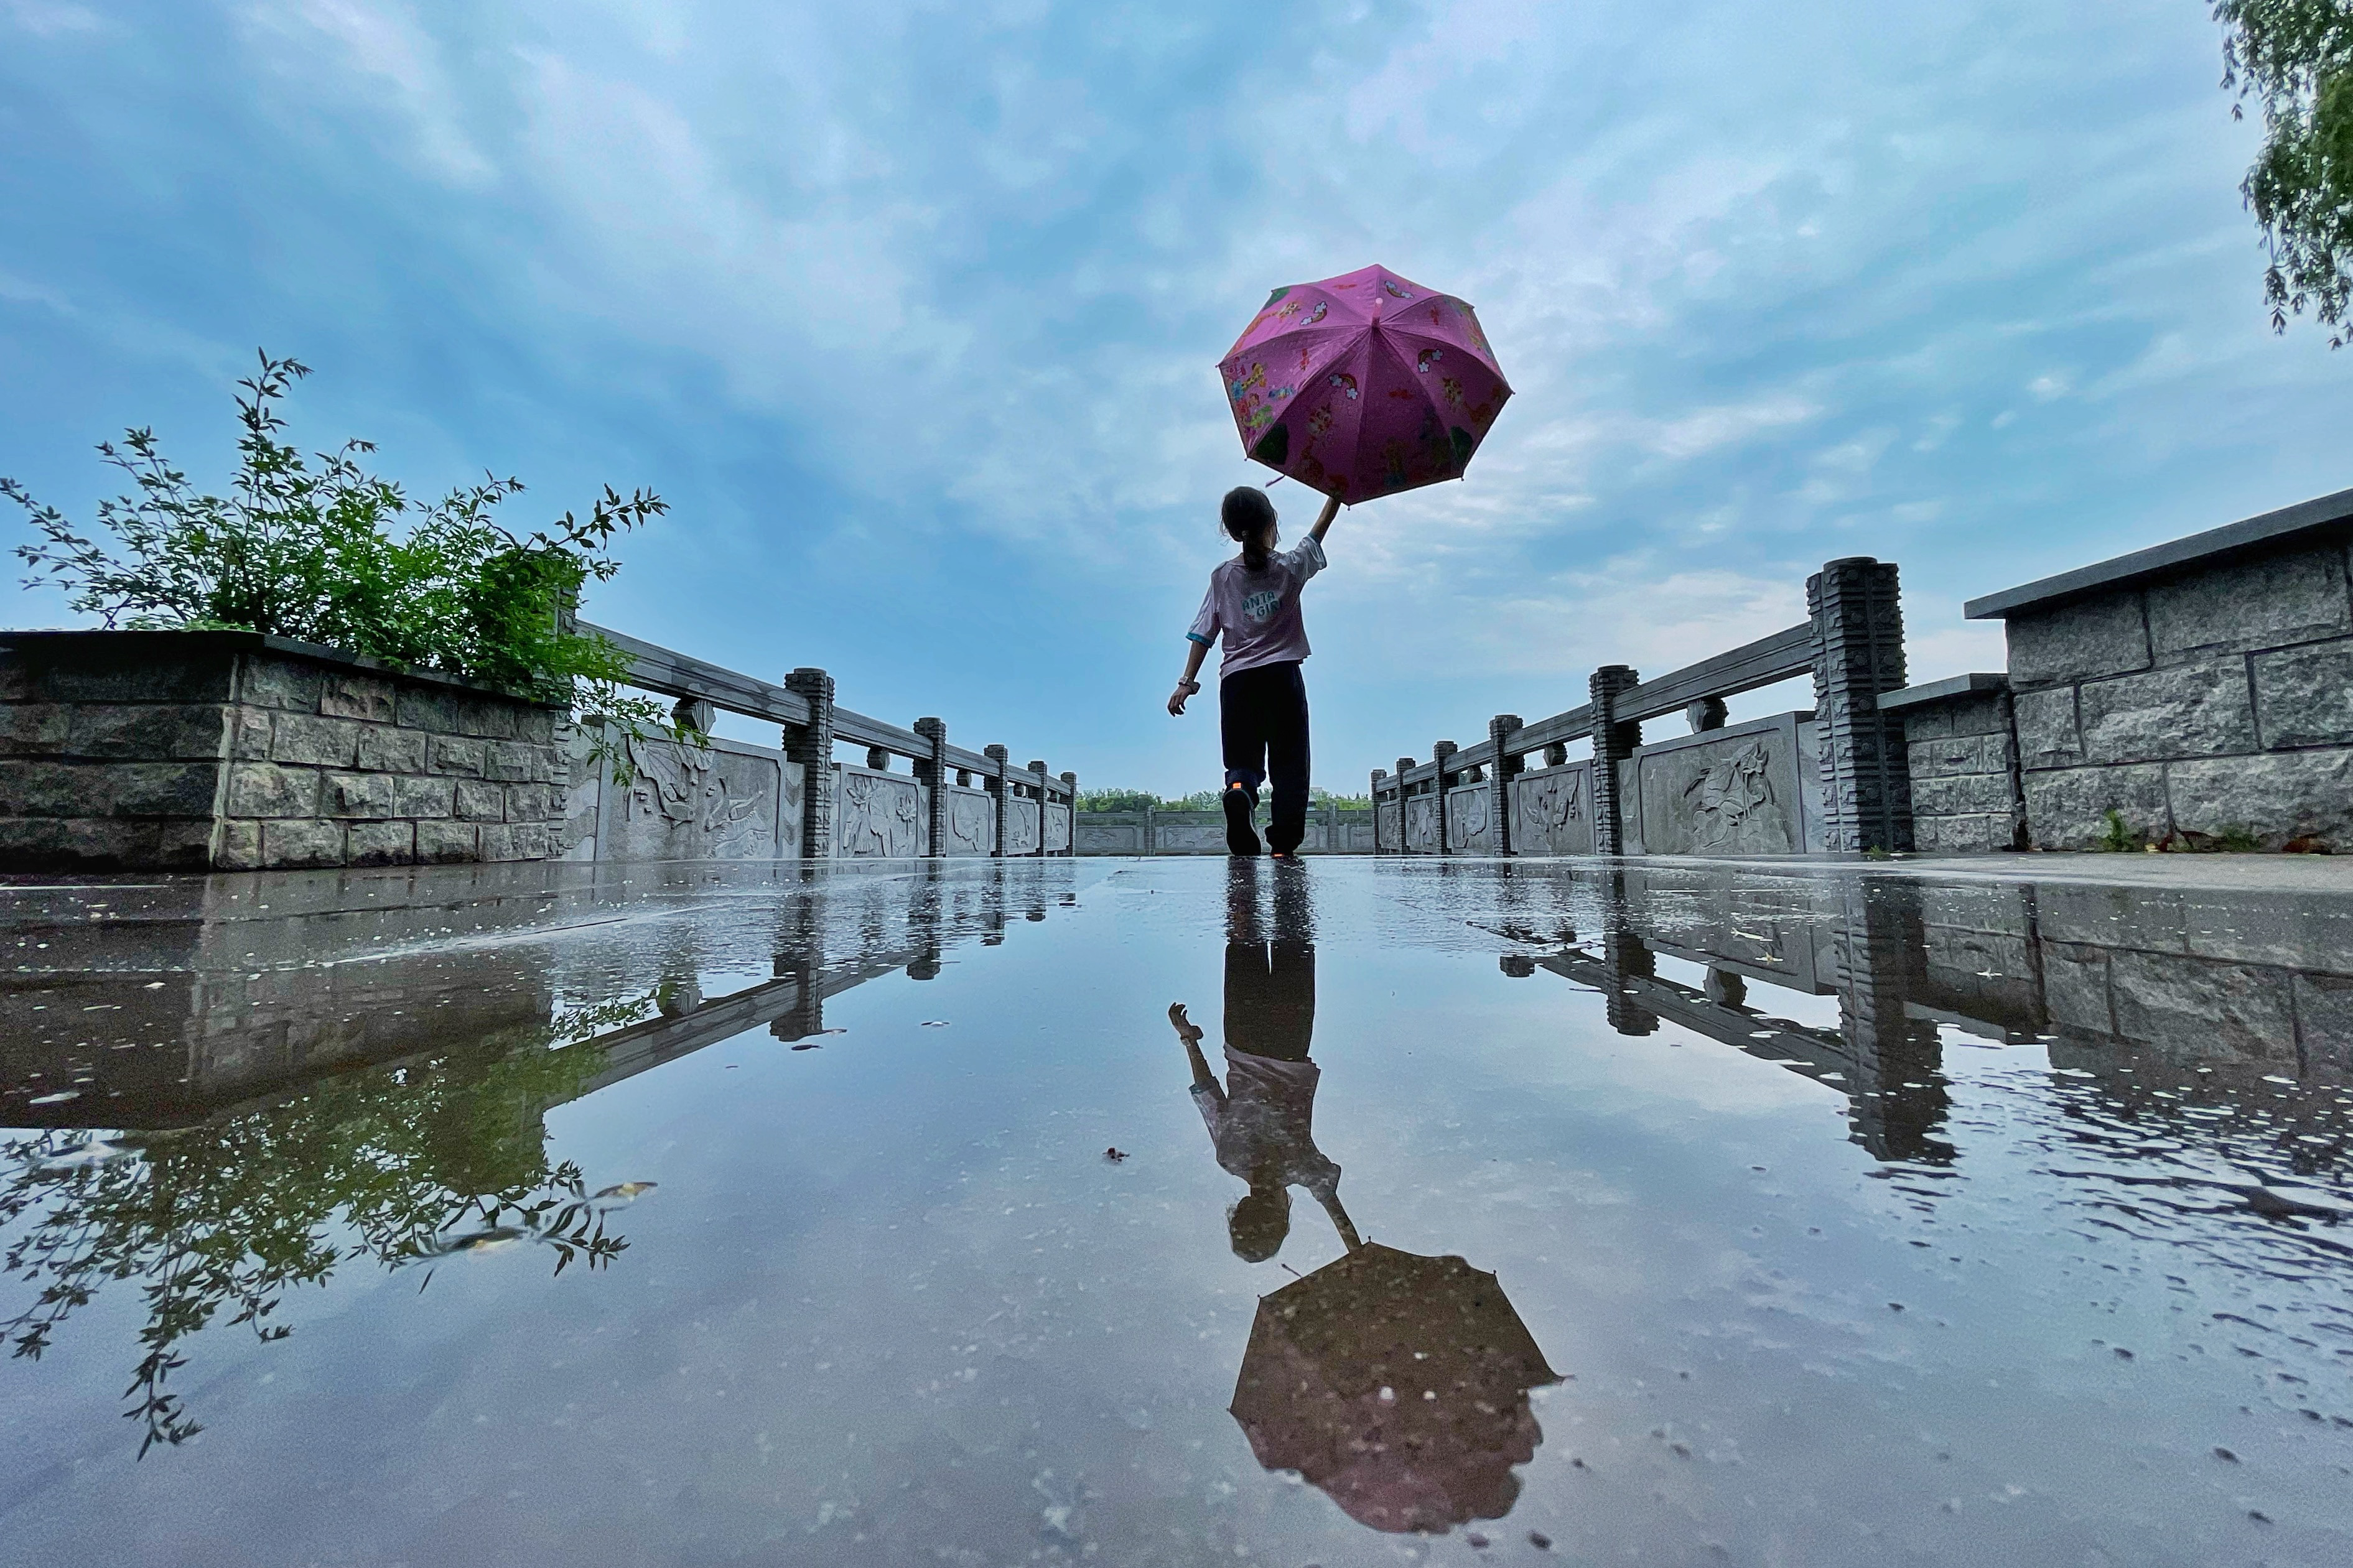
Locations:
(1468, 830)
(1058, 829)
(878, 815)
(1552, 811)
(582, 799)
(1021, 827)
(972, 821)
(719, 802)
(1387, 813)
(1421, 824)
(1735, 791)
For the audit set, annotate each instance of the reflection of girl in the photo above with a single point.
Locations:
(1261, 1121)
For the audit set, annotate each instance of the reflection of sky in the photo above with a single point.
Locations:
(890, 1289)
(913, 311)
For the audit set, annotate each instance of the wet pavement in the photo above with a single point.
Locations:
(1169, 1211)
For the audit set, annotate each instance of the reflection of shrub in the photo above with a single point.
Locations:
(231, 1214)
(306, 548)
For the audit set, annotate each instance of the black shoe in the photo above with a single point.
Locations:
(1241, 838)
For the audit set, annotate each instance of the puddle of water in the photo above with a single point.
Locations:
(1162, 1212)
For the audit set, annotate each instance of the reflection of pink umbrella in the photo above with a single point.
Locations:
(1364, 385)
(1399, 1385)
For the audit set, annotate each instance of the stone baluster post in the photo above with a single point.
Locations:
(932, 772)
(994, 782)
(1071, 782)
(1507, 767)
(1404, 843)
(878, 761)
(1043, 802)
(1441, 752)
(811, 745)
(1375, 797)
(1858, 615)
(1613, 742)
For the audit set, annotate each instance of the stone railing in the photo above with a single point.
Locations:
(232, 751)
(1331, 830)
(733, 801)
(1833, 778)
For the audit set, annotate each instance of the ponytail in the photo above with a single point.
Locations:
(1246, 514)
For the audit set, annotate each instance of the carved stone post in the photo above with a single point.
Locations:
(693, 713)
(1858, 618)
(1071, 782)
(1499, 806)
(1441, 752)
(1613, 742)
(933, 771)
(811, 745)
(1044, 800)
(1375, 797)
(995, 786)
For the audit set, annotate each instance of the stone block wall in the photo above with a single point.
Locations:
(232, 751)
(1963, 764)
(2210, 704)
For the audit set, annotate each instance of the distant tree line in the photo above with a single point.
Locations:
(1199, 800)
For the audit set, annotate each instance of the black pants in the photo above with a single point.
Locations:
(1262, 719)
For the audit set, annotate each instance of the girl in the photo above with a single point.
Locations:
(1253, 603)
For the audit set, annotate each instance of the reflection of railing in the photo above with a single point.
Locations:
(812, 723)
(1852, 644)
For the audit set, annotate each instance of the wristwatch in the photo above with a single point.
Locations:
(1191, 687)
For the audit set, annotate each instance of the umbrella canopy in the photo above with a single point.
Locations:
(1364, 385)
(1399, 1385)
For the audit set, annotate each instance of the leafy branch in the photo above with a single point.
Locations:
(2294, 57)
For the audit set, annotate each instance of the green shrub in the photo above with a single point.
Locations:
(311, 550)
(2115, 835)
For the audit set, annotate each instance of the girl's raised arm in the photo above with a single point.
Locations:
(1324, 522)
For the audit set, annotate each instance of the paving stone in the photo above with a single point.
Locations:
(265, 789)
(2259, 603)
(357, 794)
(382, 843)
(2108, 634)
(392, 751)
(321, 742)
(2199, 709)
(2066, 807)
(2279, 795)
(291, 844)
(2304, 696)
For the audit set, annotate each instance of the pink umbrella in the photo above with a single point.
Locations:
(1364, 385)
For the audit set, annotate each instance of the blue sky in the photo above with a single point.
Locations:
(911, 311)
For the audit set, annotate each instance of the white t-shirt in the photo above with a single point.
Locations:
(1257, 612)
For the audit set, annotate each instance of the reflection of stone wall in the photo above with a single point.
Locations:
(876, 815)
(1468, 830)
(971, 821)
(1552, 811)
(1735, 790)
(1421, 824)
(726, 801)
